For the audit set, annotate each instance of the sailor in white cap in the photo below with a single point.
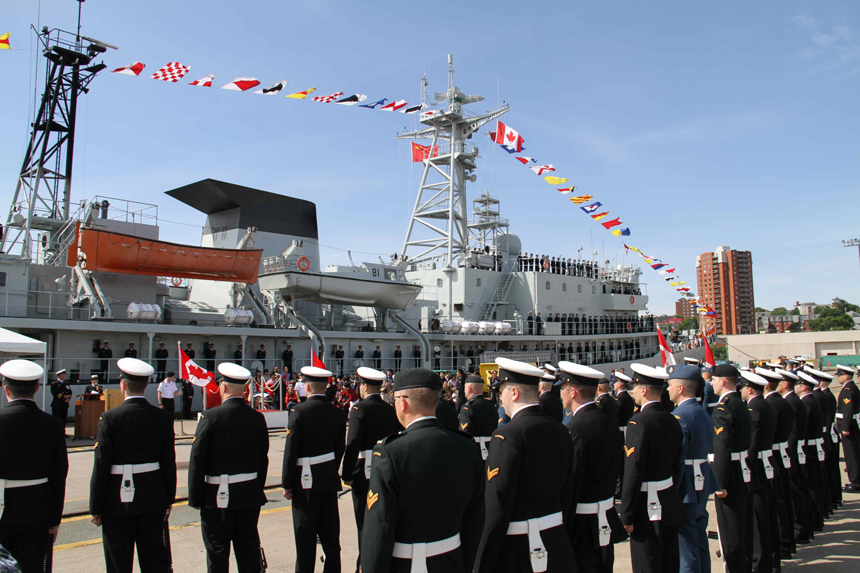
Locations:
(312, 455)
(626, 404)
(62, 393)
(33, 470)
(529, 482)
(550, 404)
(761, 461)
(594, 437)
(831, 480)
(369, 421)
(133, 484)
(651, 508)
(848, 422)
(799, 453)
(782, 509)
(94, 387)
(815, 453)
(227, 474)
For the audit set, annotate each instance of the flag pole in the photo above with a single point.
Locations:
(181, 383)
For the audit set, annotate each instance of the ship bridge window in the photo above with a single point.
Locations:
(390, 275)
(478, 282)
(2, 279)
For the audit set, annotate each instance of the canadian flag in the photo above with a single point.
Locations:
(508, 138)
(709, 355)
(315, 360)
(665, 352)
(188, 370)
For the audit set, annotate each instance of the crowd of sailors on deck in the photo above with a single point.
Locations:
(572, 324)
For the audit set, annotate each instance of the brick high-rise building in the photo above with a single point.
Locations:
(683, 309)
(725, 283)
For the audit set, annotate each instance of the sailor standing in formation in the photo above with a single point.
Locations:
(227, 474)
(33, 470)
(312, 454)
(479, 417)
(369, 421)
(651, 507)
(133, 484)
(848, 422)
(406, 528)
(593, 525)
(529, 482)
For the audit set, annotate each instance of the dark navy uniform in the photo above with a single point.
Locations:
(402, 521)
(593, 525)
(529, 487)
(32, 473)
(161, 362)
(797, 451)
(447, 415)
(371, 420)
(312, 455)
(226, 477)
(551, 405)
(697, 479)
(830, 468)
(650, 501)
(782, 514)
(479, 419)
(60, 390)
(607, 404)
(287, 359)
(626, 405)
(731, 465)
(815, 455)
(848, 422)
(133, 483)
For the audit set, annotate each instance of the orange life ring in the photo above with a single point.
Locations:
(603, 273)
(632, 299)
(545, 265)
(176, 281)
(304, 264)
(629, 327)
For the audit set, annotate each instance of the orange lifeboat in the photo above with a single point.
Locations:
(103, 251)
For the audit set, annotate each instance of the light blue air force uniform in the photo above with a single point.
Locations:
(693, 534)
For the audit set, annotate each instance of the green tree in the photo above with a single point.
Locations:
(760, 309)
(721, 352)
(779, 311)
(796, 327)
(795, 312)
(830, 318)
(843, 306)
(689, 324)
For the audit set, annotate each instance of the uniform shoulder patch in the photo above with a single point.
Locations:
(501, 437)
(629, 451)
(631, 422)
(194, 439)
(718, 431)
(97, 444)
(846, 400)
(465, 407)
(372, 498)
(492, 473)
(500, 420)
(720, 408)
(677, 416)
(355, 407)
(750, 409)
(464, 426)
(377, 454)
(288, 431)
(636, 409)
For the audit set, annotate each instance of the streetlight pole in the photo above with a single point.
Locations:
(852, 243)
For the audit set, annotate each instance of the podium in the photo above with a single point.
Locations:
(88, 410)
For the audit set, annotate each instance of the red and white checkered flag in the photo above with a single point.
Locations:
(172, 72)
(328, 98)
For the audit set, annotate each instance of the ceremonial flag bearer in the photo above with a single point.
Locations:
(529, 482)
(478, 418)
(697, 481)
(133, 484)
(369, 421)
(407, 527)
(33, 468)
(312, 455)
(731, 464)
(227, 474)
(651, 508)
(593, 525)
(848, 422)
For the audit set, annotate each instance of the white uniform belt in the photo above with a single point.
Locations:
(483, 441)
(655, 509)
(839, 416)
(713, 404)
(742, 458)
(16, 483)
(419, 552)
(834, 433)
(819, 445)
(127, 471)
(698, 476)
(764, 456)
(306, 463)
(801, 454)
(367, 456)
(532, 528)
(222, 500)
(783, 454)
(623, 431)
(604, 532)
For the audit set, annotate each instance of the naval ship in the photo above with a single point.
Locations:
(457, 294)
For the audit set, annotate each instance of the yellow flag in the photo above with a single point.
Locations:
(302, 95)
(581, 199)
(4, 42)
(679, 283)
(555, 180)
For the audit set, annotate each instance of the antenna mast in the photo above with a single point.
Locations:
(440, 207)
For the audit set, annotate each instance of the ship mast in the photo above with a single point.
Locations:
(440, 207)
(39, 215)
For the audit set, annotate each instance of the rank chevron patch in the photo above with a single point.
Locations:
(492, 473)
(372, 498)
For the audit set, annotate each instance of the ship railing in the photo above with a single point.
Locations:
(116, 209)
(290, 263)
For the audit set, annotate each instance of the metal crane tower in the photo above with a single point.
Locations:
(39, 214)
(441, 203)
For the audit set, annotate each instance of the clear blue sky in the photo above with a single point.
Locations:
(699, 124)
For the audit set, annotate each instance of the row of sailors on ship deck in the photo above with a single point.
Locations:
(530, 262)
(573, 324)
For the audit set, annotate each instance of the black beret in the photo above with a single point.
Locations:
(474, 380)
(417, 378)
(726, 371)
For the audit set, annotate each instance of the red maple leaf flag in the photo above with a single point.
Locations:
(189, 370)
(315, 361)
(709, 356)
(665, 351)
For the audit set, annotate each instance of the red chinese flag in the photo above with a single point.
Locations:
(422, 152)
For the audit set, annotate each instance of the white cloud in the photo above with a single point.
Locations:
(833, 47)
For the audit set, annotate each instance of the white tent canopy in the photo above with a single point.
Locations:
(18, 344)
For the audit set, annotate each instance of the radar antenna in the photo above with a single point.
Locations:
(39, 215)
(440, 207)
